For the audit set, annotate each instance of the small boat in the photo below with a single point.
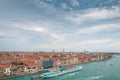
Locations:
(111, 64)
(60, 71)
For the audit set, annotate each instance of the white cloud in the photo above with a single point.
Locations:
(7, 33)
(49, 8)
(100, 28)
(3, 34)
(65, 7)
(42, 28)
(49, 0)
(40, 3)
(57, 36)
(28, 26)
(77, 46)
(94, 42)
(75, 3)
(53, 46)
(93, 14)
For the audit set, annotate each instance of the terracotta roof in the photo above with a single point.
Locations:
(4, 66)
(31, 64)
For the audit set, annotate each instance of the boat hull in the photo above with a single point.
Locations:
(58, 73)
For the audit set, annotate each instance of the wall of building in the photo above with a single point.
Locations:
(47, 64)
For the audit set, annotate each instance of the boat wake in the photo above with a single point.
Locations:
(67, 76)
(94, 77)
(72, 74)
(88, 78)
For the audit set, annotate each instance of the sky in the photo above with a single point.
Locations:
(73, 25)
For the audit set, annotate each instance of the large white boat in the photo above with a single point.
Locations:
(60, 71)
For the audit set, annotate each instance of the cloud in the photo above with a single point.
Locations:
(49, 8)
(57, 36)
(76, 46)
(40, 3)
(94, 42)
(52, 46)
(44, 28)
(100, 28)
(65, 7)
(2, 33)
(28, 26)
(93, 14)
(75, 3)
(49, 0)
(7, 34)
(49, 26)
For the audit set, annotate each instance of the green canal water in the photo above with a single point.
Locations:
(104, 70)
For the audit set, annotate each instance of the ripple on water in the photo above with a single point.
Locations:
(67, 76)
(91, 78)
(95, 77)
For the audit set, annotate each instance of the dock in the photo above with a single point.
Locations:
(35, 77)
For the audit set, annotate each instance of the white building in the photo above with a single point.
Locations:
(5, 69)
(31, 68)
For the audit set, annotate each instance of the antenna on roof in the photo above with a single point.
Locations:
(63, 50)
(84, 51)
(53, 51)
